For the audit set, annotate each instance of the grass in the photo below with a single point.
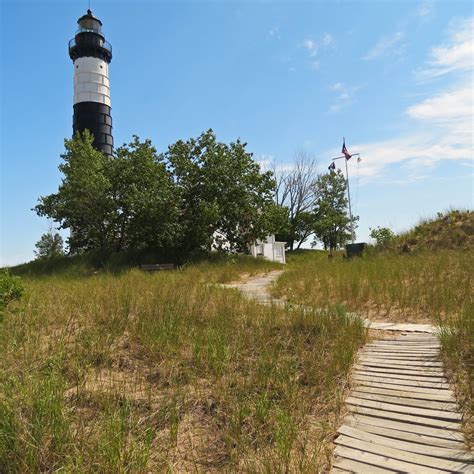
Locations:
(416, 287)
(457, 341)
(135, 372)
(433, 287)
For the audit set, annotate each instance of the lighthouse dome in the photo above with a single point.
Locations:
(89, 22)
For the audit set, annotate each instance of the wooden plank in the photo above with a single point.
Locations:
(413, 402)
(336, 470)
(446, 434)
(359, 467)
(408, 352)
(393, 369)
(349, 465)
(377, 383)
(415, 371)
(438, 397)
(406, 347)
(428, 462)
(400, 378)
(401, 383)
(399, 358)
(413, 447)
(408, 410)
(382, 461)
(418, 420)
(383, 362)
(394, 342)
(418, 341)
(408, 436)
(410, 346)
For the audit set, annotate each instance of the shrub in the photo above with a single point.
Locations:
(11, 288)
(382, 235)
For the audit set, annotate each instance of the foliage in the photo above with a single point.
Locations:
(139, 372)
(84, 202)
(382, 235)
(332, 223)
(199, 193)
(11, 288)
(295, 192)
(49, 246)
(225, 199)
(145, 197)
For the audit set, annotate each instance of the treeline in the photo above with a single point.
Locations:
(199, 195)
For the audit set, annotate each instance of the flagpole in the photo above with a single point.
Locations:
(348, 191)
(349, 197)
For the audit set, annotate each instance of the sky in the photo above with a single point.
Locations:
(395, 78)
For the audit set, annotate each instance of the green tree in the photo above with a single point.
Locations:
(226, 201)
(50, 245)
(128, 201)
(382, 235)
(146, 198)
(332, 223)
(84, 202)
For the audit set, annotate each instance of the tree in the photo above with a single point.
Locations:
(146, 198)
(198, 194)
(84, 201)
(382, 235)
(50, 245)
(128, 201)
(295, 191)
(225, 199)
(332, 222)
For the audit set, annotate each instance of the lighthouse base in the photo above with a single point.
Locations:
(97, 119)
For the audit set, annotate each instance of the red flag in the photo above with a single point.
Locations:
(344, 151)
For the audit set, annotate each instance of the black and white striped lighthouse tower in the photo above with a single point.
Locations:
(91, 56)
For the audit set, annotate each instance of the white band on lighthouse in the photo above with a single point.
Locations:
(91, 81)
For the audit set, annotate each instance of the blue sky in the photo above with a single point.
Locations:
(394, 77)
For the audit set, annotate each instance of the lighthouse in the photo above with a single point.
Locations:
(91, 55)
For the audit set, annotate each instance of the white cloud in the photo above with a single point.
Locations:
(457, 54)
(327, 39)
(311, 46)
(443, 123)
(314, 47)
(386, 46)
(424, 9)
(448, 107)
(345, 95)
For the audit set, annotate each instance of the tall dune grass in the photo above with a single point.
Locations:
(152, 372)
(400, 287)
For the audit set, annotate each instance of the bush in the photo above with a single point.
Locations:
(11, 288)
(382, 235)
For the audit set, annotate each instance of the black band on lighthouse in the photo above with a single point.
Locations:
(98, 120)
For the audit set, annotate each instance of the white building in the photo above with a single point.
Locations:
(270, 249)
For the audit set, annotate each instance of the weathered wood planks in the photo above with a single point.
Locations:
(402, 413)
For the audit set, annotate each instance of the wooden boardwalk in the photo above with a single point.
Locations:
(402, 415)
